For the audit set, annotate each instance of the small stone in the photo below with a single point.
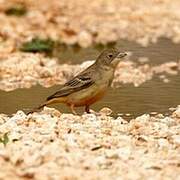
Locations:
(153, 113)
(176, 139)
(84, 39)
(177, 112)
(163, 143)
(106, 111)
(145, 117)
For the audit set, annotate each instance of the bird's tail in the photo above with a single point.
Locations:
(37, 108)
(51, 101)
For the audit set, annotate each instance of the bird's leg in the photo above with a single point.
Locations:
(72, 109)
(87, 109)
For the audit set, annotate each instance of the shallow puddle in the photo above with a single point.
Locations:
(127, 100)
(164, 50)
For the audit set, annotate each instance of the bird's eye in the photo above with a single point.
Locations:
(110, 55)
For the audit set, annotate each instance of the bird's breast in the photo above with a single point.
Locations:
(106, 76)
(94, 92)
(87, 96)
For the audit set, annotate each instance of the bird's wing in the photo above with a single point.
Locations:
(81, 81)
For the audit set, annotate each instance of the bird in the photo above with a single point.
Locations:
(88, 86)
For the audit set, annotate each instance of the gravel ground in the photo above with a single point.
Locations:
(22, 70)
(102, 21)
(51, 145)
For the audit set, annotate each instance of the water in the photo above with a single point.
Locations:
(151, 96)
(164, 50)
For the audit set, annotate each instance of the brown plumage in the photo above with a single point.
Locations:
(90, 85)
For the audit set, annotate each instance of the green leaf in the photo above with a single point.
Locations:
(38, 45)
(18, 10)
(5, 139)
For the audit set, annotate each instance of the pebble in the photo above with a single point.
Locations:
(88, 142)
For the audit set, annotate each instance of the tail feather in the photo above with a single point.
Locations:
(51, 101)
(37, 108)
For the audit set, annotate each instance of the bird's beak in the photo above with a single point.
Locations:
(122, 54)
(118, 58)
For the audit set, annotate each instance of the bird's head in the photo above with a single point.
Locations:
(110, 57)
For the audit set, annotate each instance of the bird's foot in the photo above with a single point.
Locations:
(87, 109)
(93, 112)
(73, 110)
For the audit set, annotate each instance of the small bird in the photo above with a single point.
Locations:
(90, 85)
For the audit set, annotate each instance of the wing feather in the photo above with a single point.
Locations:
(81, 81)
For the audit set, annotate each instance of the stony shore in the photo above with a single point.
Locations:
(51, 145)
